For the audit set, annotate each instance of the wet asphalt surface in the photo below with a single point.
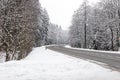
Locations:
(110, 60)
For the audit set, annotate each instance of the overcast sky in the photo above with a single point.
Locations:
(61, 11)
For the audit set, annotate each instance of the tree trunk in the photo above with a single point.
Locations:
(117, 41)
(7, 57)
(112, 38)
(85, 25)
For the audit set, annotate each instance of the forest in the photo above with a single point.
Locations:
(96, 26)
(25, 24)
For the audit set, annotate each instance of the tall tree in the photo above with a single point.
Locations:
(85, 23)
(19, 20)
(42, 28)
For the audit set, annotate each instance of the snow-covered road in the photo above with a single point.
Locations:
(44, 64)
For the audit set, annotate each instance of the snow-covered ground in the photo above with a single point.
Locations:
(2, 57)
(44, 64)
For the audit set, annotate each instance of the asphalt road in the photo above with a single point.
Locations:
(111, 60)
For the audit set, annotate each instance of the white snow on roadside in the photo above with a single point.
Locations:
(44, 64)
(111, 52)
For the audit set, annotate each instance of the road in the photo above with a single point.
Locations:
(111, 60)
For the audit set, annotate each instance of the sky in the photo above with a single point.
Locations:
(61, 11)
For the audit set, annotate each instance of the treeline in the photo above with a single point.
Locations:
(96, 26)
(56, 35)
(23, 25)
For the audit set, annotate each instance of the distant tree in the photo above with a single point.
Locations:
(42, 28)
(56, 35)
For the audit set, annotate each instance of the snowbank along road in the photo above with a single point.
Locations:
(110, 59)
(45, 64)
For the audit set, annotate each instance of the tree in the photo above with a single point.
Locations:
(100, 25)
(19, 21)
(56, 35)
(85, 23)
(42, 28)
(79, 29)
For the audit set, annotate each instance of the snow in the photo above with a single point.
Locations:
(2, 57)
(110, 52)
(44, 64)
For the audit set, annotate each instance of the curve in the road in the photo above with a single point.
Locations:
(112, 60)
